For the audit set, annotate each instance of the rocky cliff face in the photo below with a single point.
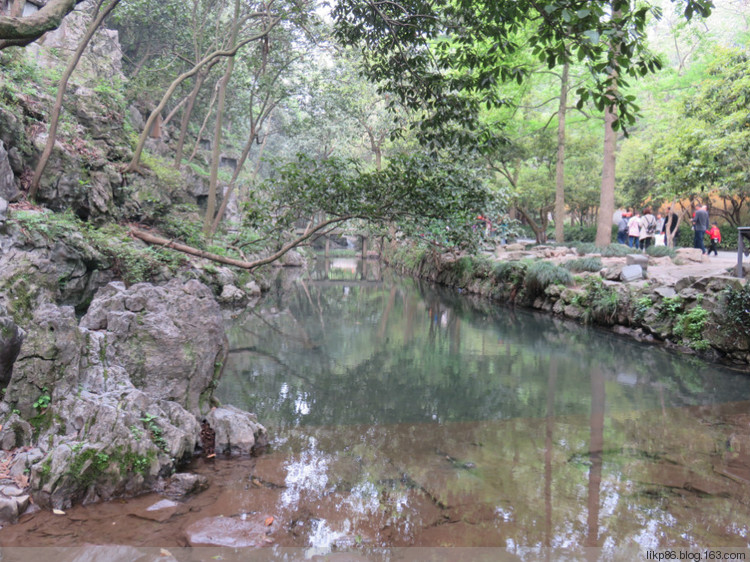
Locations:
(110, 405)
(104, 385)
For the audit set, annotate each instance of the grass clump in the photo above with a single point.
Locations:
(583, 248)
(578, 265)
(542, 274)
(661, 251)
(617, 251)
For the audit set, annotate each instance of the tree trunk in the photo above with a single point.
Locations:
(133, 166)
(159, 241)
(199, 137)
(185, 121)
(560, 166)
(216, 149)
(20, 31)
(539, 232)
(57, 108)
(607, 198)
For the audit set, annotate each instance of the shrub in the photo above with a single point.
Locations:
(689, 326)
(510, 272)
(542, 274)
(737, 309)
(583, 264)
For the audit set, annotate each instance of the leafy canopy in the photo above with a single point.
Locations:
(447, 58)
(434, 199)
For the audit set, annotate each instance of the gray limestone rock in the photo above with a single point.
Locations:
(8, 189)
(237, 432)
(171, 342)
(232, 295)
(185, 483)
(631, 273)
(637, 259)
(252, 288)
(292, 259)
(11, 338)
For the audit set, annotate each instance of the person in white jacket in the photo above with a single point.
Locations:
(634, 230)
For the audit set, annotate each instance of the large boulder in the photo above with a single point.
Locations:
(237, 431)
(169, 339)
(114, 399)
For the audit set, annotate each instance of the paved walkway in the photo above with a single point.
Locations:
(665, 271)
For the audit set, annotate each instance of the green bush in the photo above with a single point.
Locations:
(542, 274)
(601, 302)
(689, 326)
(584, 264)
(583, 248)
(737, 309)
(510, 272)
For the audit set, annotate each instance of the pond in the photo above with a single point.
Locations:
(405, 415)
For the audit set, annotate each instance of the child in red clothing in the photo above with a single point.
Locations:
(715, 236)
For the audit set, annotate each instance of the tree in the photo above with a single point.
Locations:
(708, 150)
(99, 16)
(433, 200)
(267, 21)
(449, 58)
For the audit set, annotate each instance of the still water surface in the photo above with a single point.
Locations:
(405, 415)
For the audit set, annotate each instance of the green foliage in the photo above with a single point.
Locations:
(583, 248)
(642, 306)
(44, 400)
(542, 274)
(155, 431)
(578, 265)
(133, 262)
(487, 50)
(435, 200)
(169, 179)
(736, 310)
(512, 272)
(670, 307)
(600, 304)
(689, 326)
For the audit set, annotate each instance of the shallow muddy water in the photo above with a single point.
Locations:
(405, 416)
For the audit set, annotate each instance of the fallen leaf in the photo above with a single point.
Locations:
(58, 512)
(269, 521)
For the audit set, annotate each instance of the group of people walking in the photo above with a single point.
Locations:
(641, 230)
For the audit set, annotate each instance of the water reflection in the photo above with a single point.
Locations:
(448, 420)
(407, 416)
